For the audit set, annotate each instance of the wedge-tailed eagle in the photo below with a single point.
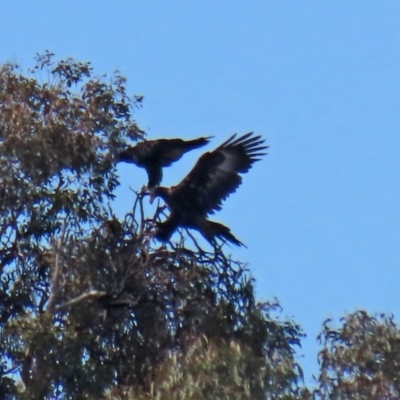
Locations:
(153, 155)
(214, 177)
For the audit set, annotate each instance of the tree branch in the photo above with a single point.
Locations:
(55, 284)
(93, 294)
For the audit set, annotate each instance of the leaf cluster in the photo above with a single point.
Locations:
(360, 359)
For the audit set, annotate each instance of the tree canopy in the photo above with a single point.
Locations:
(91, 307)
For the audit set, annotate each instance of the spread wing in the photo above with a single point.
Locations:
(153, 155)
(217, 173)
(168, 151)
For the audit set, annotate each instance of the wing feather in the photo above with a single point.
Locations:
(216, 174)
(153, 155)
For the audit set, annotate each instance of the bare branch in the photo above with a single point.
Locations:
(93, 294)
(55, 282)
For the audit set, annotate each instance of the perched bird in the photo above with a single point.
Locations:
(201, 192)
(153, 155)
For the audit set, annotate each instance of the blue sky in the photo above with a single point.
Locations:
(319, 80)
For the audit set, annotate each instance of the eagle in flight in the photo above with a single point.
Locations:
(153, 155)
(214, 177)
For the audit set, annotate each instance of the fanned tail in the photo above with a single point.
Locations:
(216, 230)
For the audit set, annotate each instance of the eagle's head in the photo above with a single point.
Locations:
(128, 155)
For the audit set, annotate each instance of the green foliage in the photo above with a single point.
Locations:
(361, 359)
(56, 179)
(216, 369)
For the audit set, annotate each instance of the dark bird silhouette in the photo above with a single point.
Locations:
(201, 192)
(153, 155)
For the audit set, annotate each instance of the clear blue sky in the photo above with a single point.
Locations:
(319, 80)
